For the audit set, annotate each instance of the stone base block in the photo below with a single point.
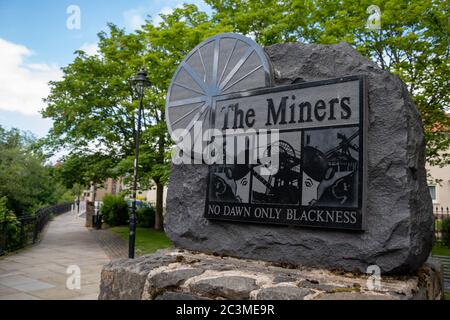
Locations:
(184, 275)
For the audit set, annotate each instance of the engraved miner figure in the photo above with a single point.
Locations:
(330, 178)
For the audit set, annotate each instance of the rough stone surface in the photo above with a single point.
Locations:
(124, 279)
(356, 296)
(166, 276)
(399, 220)
(316, 285)
(158, 280)
(282, 293)
(431, 277)
(229, 287)
(282, 278)
(178, 296)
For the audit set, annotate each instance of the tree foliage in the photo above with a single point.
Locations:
(114, 210)
(92, 106)
(95, 116)
(26, 182)
(413, 43)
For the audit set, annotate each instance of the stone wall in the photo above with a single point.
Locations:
(182, 275)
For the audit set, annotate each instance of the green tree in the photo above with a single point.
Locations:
(92, 108)
(413, 42)
(80, 170)
(93, 111)
(168, 44)
(12, 224)
(26, 182)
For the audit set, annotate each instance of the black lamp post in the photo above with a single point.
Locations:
(138, 83)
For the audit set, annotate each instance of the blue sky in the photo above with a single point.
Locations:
(35, 42)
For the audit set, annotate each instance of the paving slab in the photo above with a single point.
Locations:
(33, 285)
(41, 271)
(19, 296)
(114, 246)
(57, 293)
(14, 280)
(7, 291)
(86, 297)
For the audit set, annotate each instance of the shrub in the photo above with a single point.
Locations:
(114, 210)
(11, 226)
(445, 229)
(66, 197)
(146, 217)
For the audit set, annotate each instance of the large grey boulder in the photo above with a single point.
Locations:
(399, 220)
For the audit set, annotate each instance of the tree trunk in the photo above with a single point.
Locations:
(159, 206)
(159, 219)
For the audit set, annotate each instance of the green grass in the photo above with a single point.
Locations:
(439, 250)
(147, 240)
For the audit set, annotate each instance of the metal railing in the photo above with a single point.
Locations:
(440, 214)
(25, 230)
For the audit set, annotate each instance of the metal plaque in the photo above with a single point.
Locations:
(316, 134)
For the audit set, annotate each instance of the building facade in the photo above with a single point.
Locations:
(439, 186)
(110, 186)
(115, 186)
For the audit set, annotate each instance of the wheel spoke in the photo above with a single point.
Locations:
(182, 103)
(187, 114)
(228, 60)
(236, 67)
(195, 118)
(208, 110)
(189, 88)
(216, 61)
(195, 77)
(242, 78)
(203, 64)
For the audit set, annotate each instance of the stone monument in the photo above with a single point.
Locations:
(397, 222)
(348, 191)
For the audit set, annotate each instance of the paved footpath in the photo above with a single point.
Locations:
(40, 271)
(445, 260)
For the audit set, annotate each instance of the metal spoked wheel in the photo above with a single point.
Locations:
(222, 64)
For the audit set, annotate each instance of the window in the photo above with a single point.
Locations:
(432, 192)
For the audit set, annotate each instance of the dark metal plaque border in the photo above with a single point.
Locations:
(362, 167)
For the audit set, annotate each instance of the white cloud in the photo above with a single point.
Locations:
(91, 49)
(135, 18)
(23, 85)
(166, 10)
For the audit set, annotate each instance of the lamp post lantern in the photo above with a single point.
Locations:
(138, 84)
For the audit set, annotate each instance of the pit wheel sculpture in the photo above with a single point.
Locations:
(223, 64)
